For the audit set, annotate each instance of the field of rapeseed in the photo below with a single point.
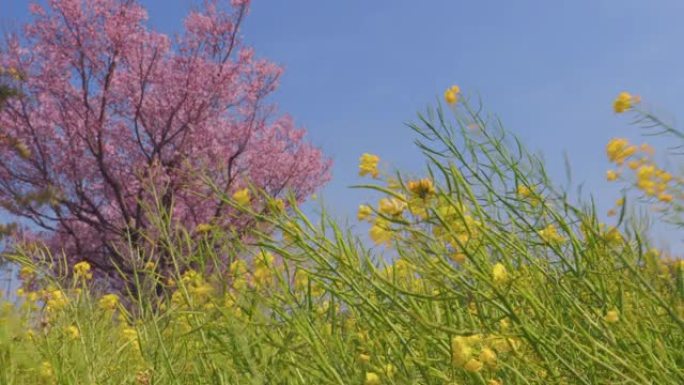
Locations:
(481, 271)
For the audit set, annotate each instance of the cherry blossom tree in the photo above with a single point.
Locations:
(114, 115)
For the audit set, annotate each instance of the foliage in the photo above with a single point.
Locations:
(487, 274)
(114, 115)
(6, 89)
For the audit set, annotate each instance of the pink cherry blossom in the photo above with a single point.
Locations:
(116, 115)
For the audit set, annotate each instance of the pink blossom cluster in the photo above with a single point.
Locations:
(115, 116)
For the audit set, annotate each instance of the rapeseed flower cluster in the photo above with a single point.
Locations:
(372, 378)
(72, 332)
(624, 102)
(528, 194)
(364, 212)
(612, 316)
(452, 94)
(619, 150)
(422, 188)
(381, 232)
(242, 197)
(82, 271)
(55, 300)
(477, 353)
(368, 165)
(263, 269)
(109, 302)
(417, 199)
(650, 179)
(499, 274)
(550, 234)
(26, 273)
(392, 207)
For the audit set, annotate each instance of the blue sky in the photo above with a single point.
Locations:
(356, 70)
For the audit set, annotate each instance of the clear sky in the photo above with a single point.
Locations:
(356, 70)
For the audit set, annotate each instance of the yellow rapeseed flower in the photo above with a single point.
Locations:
(389, 370)
(203, 228)
(418, 207)
(368, 165)
(201, 291)
(380, 232)
(263, 274)
(499, 274)
(128, 333)
(651, 180)
(26, 273)
(364, 358)
(524, 191)
(422, 187)
(264, 259)
(647, 186)
(277, 205)
(372, 379)
(82, 270)
(646, 171)
(680, 265)
(242, 197)
(488, 356)
(619, 149)
(550, 234)
(391, 206)
(612, 316)
(612, 175)
(56, 300)
(109, 302)
(633, 164)
(458, 257)
(46, 370)
(460, 350)
(191, 276)
(364, 212)
(31, 296)
(72, 332)
(473, 365)
(451, 94)
(663, 175)
(238, 267)
(623, 102)
(611, 234)
(474, 339)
